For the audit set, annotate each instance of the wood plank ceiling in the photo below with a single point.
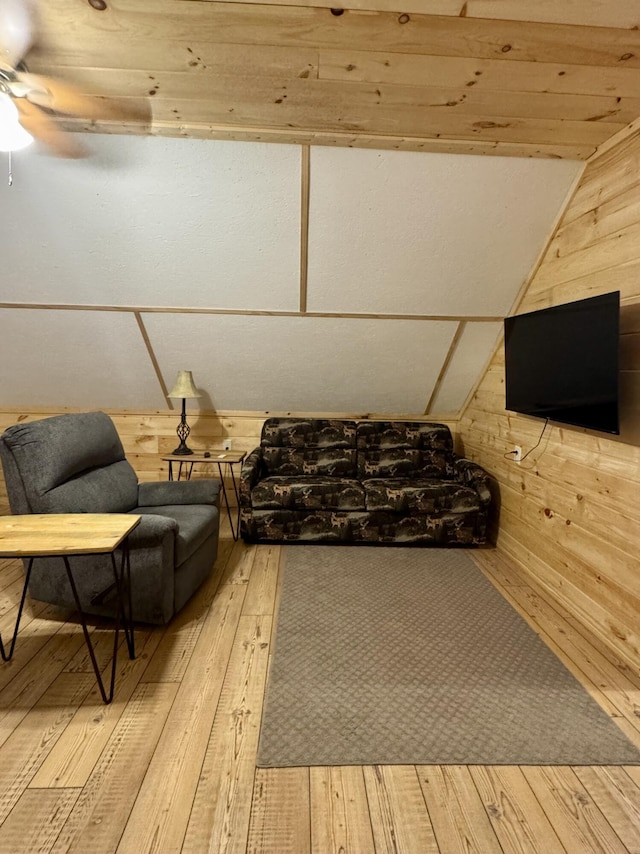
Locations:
(543, 79)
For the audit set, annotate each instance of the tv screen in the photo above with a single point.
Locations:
(562, 362)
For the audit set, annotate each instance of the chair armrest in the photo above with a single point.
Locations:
(252, 471)
(151, 530)
(202, 490)
(471, 474)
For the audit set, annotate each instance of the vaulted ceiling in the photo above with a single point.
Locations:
(287, 277)
(294, 276)
(544, 78)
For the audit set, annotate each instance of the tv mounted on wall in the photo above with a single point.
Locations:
(562, 363)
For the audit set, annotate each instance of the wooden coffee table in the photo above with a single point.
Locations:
(63, 535)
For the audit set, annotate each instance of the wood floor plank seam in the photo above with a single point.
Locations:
(37, 816)
(107, 798)
(486, 812)
(586, 823)
(214, 720)
(608, 788)
(148, 792)
(71, 763)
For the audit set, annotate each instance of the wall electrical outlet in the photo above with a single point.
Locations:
(226, 444)
(517, 453)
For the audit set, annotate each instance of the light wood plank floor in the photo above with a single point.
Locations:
(170, 765)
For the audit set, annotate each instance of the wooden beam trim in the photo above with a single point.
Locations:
(218, 414)
(304, 224)
(309, 108)
(445, 365)
(253, 313)
(370, 139)
(152, 357)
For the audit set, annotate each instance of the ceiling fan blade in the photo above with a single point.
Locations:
(16, 30)
(44, 129)
(69, 100)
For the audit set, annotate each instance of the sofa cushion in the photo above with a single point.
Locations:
(327, 462)
(308, 432)
(404, 449)
(418, 495)
(307, 493)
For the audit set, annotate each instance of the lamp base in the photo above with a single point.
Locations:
(182, 449)
(183, 431)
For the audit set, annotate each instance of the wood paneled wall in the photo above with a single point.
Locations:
(569, 514)
(148, 436)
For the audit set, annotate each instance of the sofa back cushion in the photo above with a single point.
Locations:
(404, 449)
(309, 446)
(71, 463)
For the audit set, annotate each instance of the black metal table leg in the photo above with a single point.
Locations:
(124, 597)
(120, 614)
(180, 463)
(226, 500)
(5, 656)
(237, 494)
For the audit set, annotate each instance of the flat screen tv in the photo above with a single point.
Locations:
(562, 363)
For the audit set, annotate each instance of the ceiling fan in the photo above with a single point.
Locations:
(31, 105)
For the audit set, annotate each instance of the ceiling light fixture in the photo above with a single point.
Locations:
(13, 136)
(16, 26)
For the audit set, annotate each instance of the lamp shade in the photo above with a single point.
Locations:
(184, 386)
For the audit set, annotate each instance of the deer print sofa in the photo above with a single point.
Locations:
(320, 480)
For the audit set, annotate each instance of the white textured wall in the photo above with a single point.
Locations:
(155, 222)
(93, 359)
(303, 363)
(473, 352)
(198, 227)
(401, 231)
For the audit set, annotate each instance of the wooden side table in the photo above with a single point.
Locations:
(66, 534)
(219, 458)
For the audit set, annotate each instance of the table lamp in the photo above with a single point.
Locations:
(185, 389)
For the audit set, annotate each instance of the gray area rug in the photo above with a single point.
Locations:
(411, 656)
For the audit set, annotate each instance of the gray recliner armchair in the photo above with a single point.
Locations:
(75, 463)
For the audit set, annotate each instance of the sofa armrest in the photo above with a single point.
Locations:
(252, 471)
(471, 474)
(202, 490)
